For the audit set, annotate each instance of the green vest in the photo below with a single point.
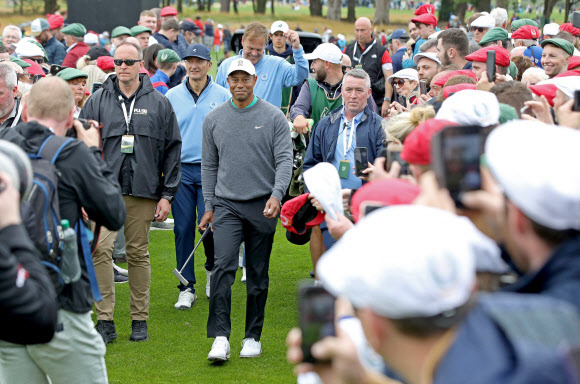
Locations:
(320, 102)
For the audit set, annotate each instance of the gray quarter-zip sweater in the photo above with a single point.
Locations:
(246, 153)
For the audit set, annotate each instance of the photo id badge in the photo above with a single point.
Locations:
(343, 169)
(127, 142)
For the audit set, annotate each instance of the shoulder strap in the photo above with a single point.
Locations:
(52, 147)
(313, 85)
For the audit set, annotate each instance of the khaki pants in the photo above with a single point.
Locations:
(140, 213)
(75, 355)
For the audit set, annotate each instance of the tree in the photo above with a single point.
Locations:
(333, 10)
(225, 6)
(316, 8)
(179, 6)
(446, 9)
(350, 16)
(200, 5)
(50, 6)
(548, 8)
(260, 8)
(382, 12)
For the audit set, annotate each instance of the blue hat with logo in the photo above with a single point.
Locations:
(198, 50)
(398, 33)
(535, 53)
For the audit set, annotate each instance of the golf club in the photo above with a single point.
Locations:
(178, 273)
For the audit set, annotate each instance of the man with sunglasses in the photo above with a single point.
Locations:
(142, 145)
(480, 26)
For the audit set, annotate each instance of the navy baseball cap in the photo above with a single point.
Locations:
(198, 50)
(189, 26)
(398, 33)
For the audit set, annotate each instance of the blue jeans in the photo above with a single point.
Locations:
(189, 198)
(328, 240)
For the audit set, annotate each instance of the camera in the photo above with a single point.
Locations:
(15, 163)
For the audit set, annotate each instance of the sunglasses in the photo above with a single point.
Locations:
(39, 61)
(399, 82)
(479, 29)
(128, 62)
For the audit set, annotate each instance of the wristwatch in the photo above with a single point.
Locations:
(169, 198)
(387, 99)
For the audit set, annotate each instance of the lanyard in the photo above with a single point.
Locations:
(362, 54)
(127, 116)
(351, 136)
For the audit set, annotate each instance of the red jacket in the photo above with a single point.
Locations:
(78, 51)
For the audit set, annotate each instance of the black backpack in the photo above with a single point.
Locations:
(40, 209)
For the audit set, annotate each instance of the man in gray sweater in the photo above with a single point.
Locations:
(246, 165)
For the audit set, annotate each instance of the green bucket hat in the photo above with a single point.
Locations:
(518, 23)
(560, 43)
(138, 29)
(75, 29)
(507, 113)
(20, 62)
(494, 34)
(71, 73)
(119, 31)
(168, 56)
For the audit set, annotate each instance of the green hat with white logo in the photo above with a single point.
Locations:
(168, 56)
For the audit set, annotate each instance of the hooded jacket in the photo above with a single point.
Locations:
(153, 170)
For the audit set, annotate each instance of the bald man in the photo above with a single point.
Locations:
(368, 53)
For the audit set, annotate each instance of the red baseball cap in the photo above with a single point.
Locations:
(34, 68)
(298, 215)
(105, 63)
(568, 27)
(425, 8)
(383, 192)
(425, 18)
(526, 32)
(448, 91)
(502, 55)
(574, 62)
(417, 147)
(168, 11)
(548, 90)
(466, 72)
(55, 21)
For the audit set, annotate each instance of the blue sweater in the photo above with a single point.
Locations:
(274, 73)
(190, 115)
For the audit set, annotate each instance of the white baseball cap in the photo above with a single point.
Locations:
(327, 52)
(91, 38)
(427, 268)
(545, 187)
(470, 106)
(568, 84)
(484, 22)
(26, 49)
(407, 73)
(428, 55)
(220, 26)
(279, 25)
(38, 26)
(551, 29)
(242, 65)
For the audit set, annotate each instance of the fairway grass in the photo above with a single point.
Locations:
(177, 348)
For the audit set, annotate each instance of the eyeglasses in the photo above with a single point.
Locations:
(39, 61)
(128, 62)
(399, 82)
(479, 29)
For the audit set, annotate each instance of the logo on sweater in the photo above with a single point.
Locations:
(374, 56)
(264, 77)
(140, 111)
(212, 105)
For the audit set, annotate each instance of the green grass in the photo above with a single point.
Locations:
(177, 348)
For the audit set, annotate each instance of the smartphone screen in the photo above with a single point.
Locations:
(490, 66)
(456, 159)
(576, 107)
(361, 160)
(316, 316)
(576, 19)
(423, 87)
(394, 154)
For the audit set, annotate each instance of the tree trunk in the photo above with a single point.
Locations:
(382, 12)
(351, 16)
(446, 9)
(261, 7)
(548, 8)
(180, 6)
(236, 6)
(225, 6)
(316, 8)
(502, 4)
(209, 5)
(50, 6)
(484, 5)
(200, 5)
(333, 12)
(568, 7)
(273, 7)
(461, 9)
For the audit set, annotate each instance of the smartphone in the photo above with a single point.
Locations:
(35, 78)
(316, 317)
(96, 87)
(490, 66)
(361, 160)
(576, 19)
(576, 107)
(456, 155)
(54, 69)
(423, 87)
(394, 154)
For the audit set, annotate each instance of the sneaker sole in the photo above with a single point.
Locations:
(136, 341)
(249, 357)
(121, 282)
(110, 339)
(219, 358)
(184, 308)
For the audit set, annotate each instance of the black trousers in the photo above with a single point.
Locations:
(234, 221)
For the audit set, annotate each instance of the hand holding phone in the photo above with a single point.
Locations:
(316, 317)
(490, 66)
(361, 160)
(423, 87)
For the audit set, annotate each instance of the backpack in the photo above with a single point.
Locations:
(40, 209)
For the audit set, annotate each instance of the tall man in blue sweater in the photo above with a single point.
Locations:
(272, 73)
(245, 170)
(192, 100)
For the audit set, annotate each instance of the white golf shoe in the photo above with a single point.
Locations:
(243, 280)
(251, 348)
(220, 349)
(185, 300)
